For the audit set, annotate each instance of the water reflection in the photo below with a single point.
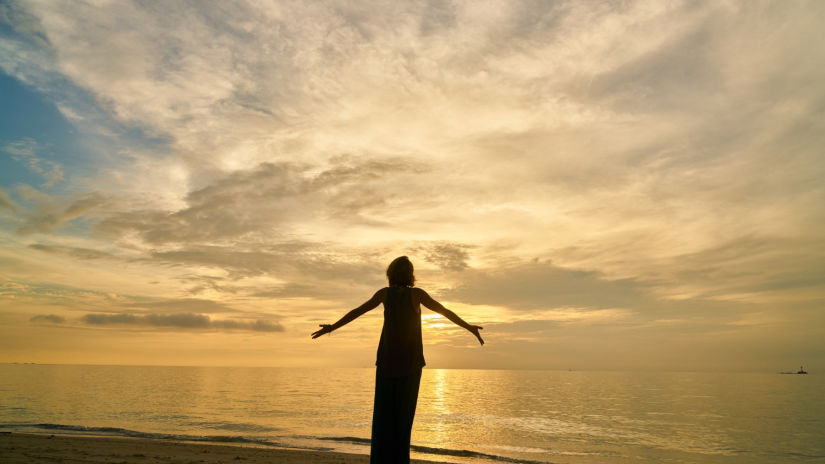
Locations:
(536, 415)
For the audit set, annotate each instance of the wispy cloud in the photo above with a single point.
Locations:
(75, 252)
(25, 151)
(448, 256)
(6, 203)
(49, 212)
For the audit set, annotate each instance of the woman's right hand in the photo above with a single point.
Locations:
(325, 329)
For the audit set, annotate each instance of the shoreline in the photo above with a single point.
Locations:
(25, 448)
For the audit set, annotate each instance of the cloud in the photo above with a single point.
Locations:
(181, 321)
(51, 212)
(27, 50)
(542, 285)
(75, 252)
(128, 305)
(25, 151)
(258, 325)
(23, 23)
(52, 318)
(681, 71)
(22, 149)
(750, 268)
(302, 269)
(270, 198)
(6, 202)
(181, 304)
(448, 256)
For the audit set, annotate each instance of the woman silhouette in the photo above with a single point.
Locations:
(399, 361)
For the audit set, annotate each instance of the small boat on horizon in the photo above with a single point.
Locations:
(800, 371)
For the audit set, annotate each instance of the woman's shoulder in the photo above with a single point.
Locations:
(414, 290)
(380, 295)
(420, 295)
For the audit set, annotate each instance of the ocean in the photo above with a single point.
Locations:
(463, 416)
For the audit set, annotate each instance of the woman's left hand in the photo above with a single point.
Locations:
(474, 330)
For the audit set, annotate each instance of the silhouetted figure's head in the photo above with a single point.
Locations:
(400, 272)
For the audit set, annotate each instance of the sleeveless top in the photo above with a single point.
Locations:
(400, 351)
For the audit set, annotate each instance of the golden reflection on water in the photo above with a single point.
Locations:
(440, 392)
(434, 402)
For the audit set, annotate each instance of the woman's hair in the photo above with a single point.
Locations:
(400, 272)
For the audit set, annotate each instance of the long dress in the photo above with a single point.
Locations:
(399, 361)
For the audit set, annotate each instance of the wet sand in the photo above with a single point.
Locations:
(23, 448)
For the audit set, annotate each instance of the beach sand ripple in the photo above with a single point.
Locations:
(20, 448)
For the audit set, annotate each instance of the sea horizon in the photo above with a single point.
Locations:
(537, 369)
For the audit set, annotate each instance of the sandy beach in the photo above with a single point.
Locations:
(20, 448)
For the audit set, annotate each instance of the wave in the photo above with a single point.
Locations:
(117, 431)
(441, 451)
(136, 434)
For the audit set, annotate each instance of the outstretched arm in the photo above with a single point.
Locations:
(433, 305)
(352, 315)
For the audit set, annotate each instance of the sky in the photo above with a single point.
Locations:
(600, 185)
